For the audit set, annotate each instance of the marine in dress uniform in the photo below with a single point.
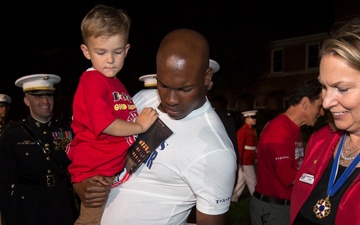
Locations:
(247, 144)
(247, 149)
(34, 184)
(5, 101)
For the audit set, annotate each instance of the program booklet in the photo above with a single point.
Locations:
(145, 144)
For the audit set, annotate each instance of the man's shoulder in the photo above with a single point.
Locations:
(16, 124)
(280, 120)
(277, 127)
(15, 129)
(62, 123)
(145, 92)
(224, 116)
(145, 98)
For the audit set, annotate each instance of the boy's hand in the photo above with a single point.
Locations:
(146, 118)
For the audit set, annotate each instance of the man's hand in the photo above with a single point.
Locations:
(93, 191)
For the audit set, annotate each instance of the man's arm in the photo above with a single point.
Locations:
(93, 191)
(204, 219)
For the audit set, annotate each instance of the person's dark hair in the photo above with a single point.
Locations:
(309, 88)
(219, 101)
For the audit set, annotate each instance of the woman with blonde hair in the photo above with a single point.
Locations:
(327, 187)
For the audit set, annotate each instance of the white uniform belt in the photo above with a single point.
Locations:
(249, 147)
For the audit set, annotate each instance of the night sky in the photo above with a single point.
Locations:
(44, 37)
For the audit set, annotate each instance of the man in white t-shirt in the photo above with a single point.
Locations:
(194, 166)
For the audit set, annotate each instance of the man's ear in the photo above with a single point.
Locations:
(85, 51)
(26, 101)
(305, 101)
(208, 78)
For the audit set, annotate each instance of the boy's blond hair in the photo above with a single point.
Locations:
(105, 21)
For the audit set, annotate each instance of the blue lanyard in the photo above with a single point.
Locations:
(333, 188)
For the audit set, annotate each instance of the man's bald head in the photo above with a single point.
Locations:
(185, 46)
(183, 73)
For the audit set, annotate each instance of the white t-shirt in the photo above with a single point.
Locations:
(196, 165)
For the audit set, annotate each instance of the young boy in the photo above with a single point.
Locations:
(103, 111)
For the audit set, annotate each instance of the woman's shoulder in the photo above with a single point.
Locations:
(326, 135)
(327, 131)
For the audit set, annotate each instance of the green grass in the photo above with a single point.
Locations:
(239, 211)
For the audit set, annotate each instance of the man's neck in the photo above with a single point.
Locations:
(295, 114)
(44, 120)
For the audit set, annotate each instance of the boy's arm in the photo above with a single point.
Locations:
(126, 128)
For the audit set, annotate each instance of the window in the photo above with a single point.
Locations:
(312, 56)
(277, 61)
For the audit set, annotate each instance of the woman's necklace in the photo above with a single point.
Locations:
(346, 158)
(322, 208)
